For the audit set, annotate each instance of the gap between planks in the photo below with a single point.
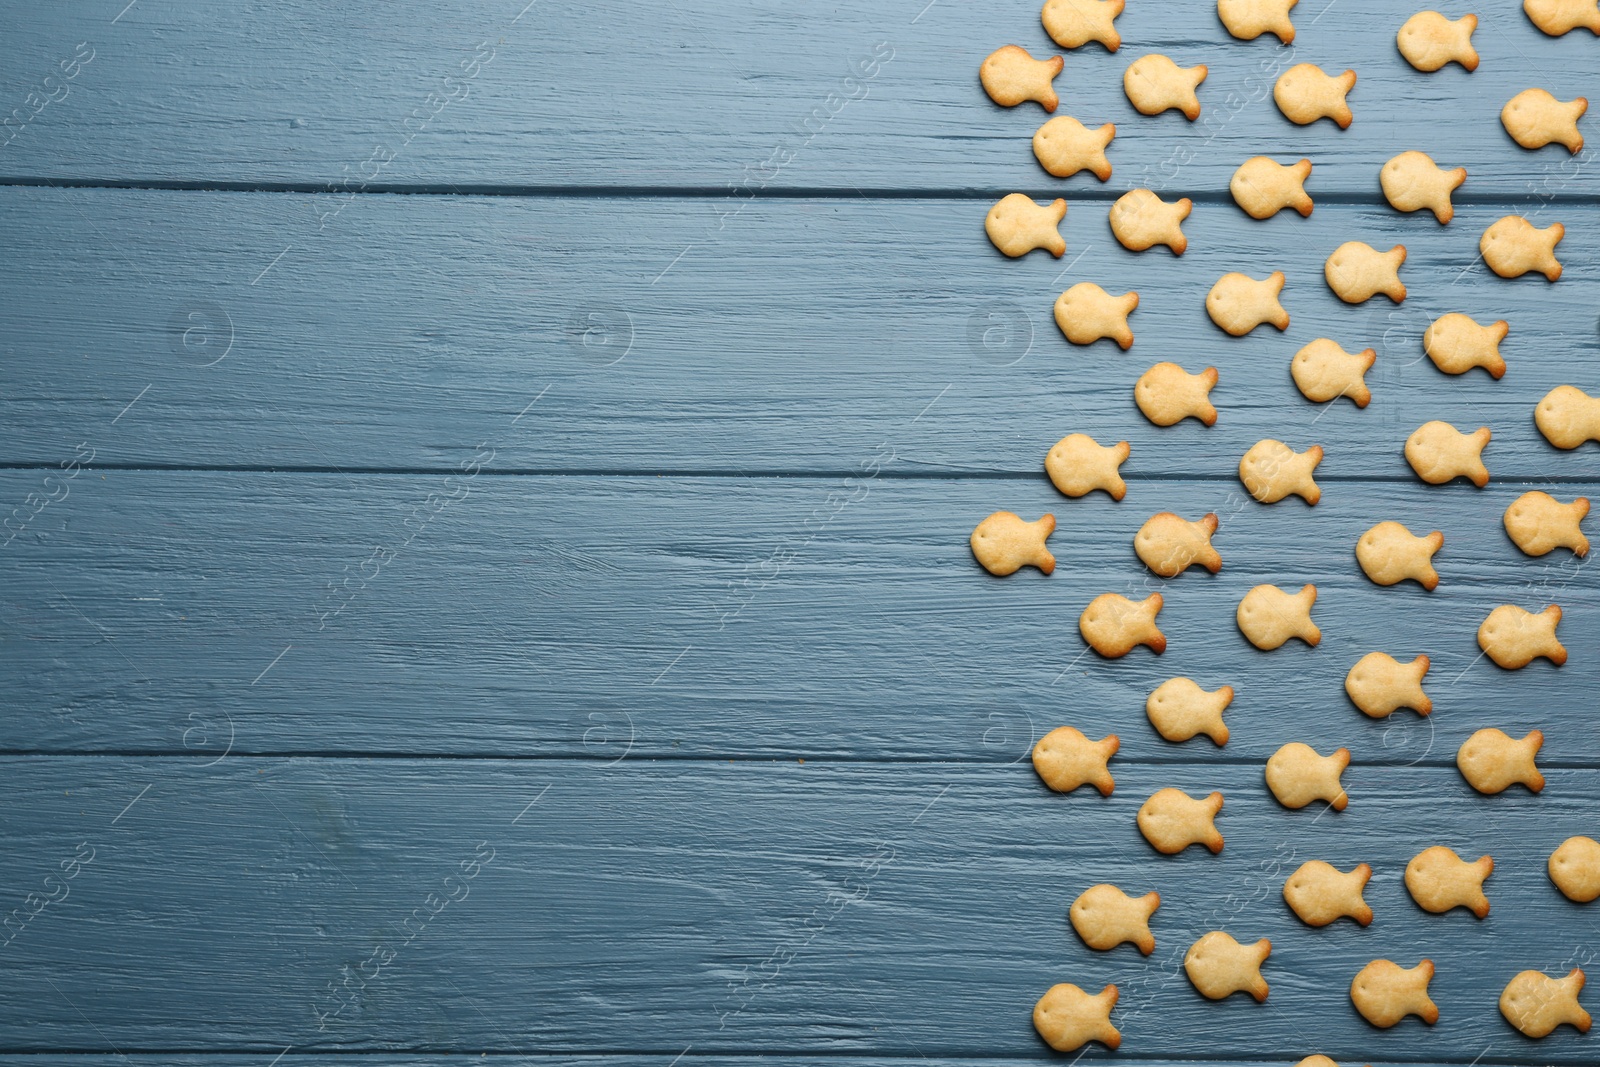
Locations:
(732, 756)
(814, 475)
(843, 1056)
(720, 192)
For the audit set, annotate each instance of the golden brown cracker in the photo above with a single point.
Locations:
(1536, 1004)
(1140, 219)
(1249, 19)
(1319, 893)
(1380, 685)
(1493, 761)
(1575, 869)
(1268, 616)
(1179, 709)
(1113, 625)
(1154, 84)
(1440, 453)
(1456, 343)
(1169, 544)
(1168, 394)
(1086, 313)
(1068, 1018)
(1105, 917)
(1412, 182)
(1556, 17)
(1428, 41)
(1011, 76)
(1064, 146)
(1074, 23)
(1514, 246)
(1297, 775)
(1078, 465)
(1323, 371)
(1439, 880)
(1534, 118)
(1239, 303)
(1218, 966)
(1004, 543)
(1385, 992)
(1357, 272)
(1567, 416)
(1016, 225)
(1389, 554)
(1514, 638)
(1263, 187)
(1538, 524)
(1305, 93)
(1066, 760)
(1171, 821)
(1271, 470)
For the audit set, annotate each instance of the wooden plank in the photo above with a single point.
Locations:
(913, 909)
(187, 612)
(756, 98)
(220, 330)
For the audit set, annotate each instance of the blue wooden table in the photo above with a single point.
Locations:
(487, 571)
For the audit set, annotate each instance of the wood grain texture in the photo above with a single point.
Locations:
(574, 616)
(800, 339)
(699, 94)
(613, 523)
(905, 910)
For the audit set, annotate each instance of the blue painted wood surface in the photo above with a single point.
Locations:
(532, 616)
(731, 905)
(615, 94)
(714, 617)
(800, 339)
